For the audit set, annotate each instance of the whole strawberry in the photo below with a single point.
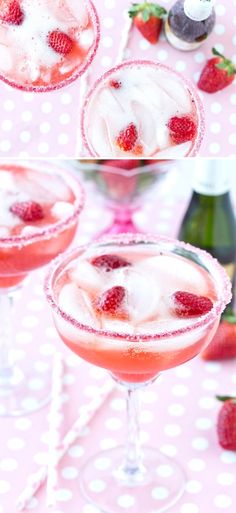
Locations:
(226, 423)
(218, 73)
(223, 344)
(147, 17)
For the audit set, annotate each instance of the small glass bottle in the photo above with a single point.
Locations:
(189, 23)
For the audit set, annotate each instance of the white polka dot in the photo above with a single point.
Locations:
(52, 333)
(44, 127)
(15, 444)
(23, 424)
(200, 444)
(164, 470)
(204, 423)
(189, 508)
(222, 501)
(126, 501)
(220, 9)
(233, 99)
(24, 337)
(25, 136)
(43, 147)
(228, 457)
(180, 66)
(36, 384)
(232, 139)
(144, 44)
(47, 349)
(29, 321)
(46, 107)
(64, 118)
(106, 61)
(225, 479)
(210, 384)
(216, 108)
(232, 119)
(41, 366)
(172, 430)
(213, 367)
(97, 485)
(160, 493)
(4, 487)
(219, 29)
(41, 458)
(183, 371)
(76, 451)
(108, 443)
(107, 42)
(9, 105)
(109, 4)
(8, 464)
(26, 116)
(69, 379)
(214, 148)
(90, 508)
(215, 128)
(197, 465)
(176, 410)
(63, 495)
(63, 139)
(28, 97)
(149, 397)
(162, 55)
(118, 404)
(7, 125)
(146, 416)
(207, 403)
(193, 486)
(5, 145)
(102, 463)
(114, 423)
(179, 390)
(69, 472)
(200, 57)
(29, 403)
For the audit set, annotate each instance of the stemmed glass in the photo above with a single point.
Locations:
(118, 100)
(123, 185)
(134, 361)
(31, 61)
(20, 254)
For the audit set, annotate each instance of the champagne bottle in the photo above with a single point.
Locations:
(189, 23)
(209, 221)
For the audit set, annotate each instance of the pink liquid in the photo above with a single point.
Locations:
(150, 281)
(27, 245)
(146, 96)
(29, 62)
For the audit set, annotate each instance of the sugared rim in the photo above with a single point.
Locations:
(77, 73)
(52, 230)
(124, 239)
(190, 86)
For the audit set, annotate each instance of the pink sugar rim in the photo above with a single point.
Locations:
(189, 85)
(74, 76)
(61, 262)
(54, 229)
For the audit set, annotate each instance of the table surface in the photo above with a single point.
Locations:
(179, 411)
(47, 124)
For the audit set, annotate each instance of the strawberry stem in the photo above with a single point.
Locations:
(225, 64)
(147, 9)
(224, 398)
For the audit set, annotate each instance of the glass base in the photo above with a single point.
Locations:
(156, 487)
(22, 393)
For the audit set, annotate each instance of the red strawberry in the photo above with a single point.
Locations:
(182, 129)
(115, 84)
(190, 305)
(127, 138)
(60, 42)
(223, 344)
(217, 74)
(226, 423)
(112, 300)
(11, 12)
(109, 262)
(27, 211)
(147, 17)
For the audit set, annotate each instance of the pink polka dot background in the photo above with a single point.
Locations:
(47, 124)
(179, 410)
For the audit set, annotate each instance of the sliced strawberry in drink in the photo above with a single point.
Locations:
(182, 129)
(109, 262)
(11, 12)
(27, 211)
(111, 301)
(127, 138)
(60, 42)
(190, 305)
(115, 84)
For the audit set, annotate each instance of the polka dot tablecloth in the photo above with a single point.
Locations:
(179, 411)
(47, 124)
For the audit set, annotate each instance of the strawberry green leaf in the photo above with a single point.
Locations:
(224, 398)
(147, 10)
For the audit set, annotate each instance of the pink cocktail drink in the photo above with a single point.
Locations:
(142, 109)
(39, 210)
(46, 44)
(136, 305)
(38, 217)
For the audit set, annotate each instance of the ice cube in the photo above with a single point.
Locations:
(7, 182)
(143, 296)
(86, 276)
(86, 38)
(62, 209)
(117, 326)
(75, 303)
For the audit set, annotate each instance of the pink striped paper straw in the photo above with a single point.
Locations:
(86, 413)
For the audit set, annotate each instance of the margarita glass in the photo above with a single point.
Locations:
(123, 184)
(116, 304)
(142, 109)
(39, 209)
(48, 44)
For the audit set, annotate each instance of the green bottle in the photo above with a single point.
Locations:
(209, 221)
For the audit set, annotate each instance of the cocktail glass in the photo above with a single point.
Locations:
(53, 45)
(135, 358)
(20, 254)
(131, 112)
(123, 184)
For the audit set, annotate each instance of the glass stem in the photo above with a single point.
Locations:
(6, 369)
(133, 463)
